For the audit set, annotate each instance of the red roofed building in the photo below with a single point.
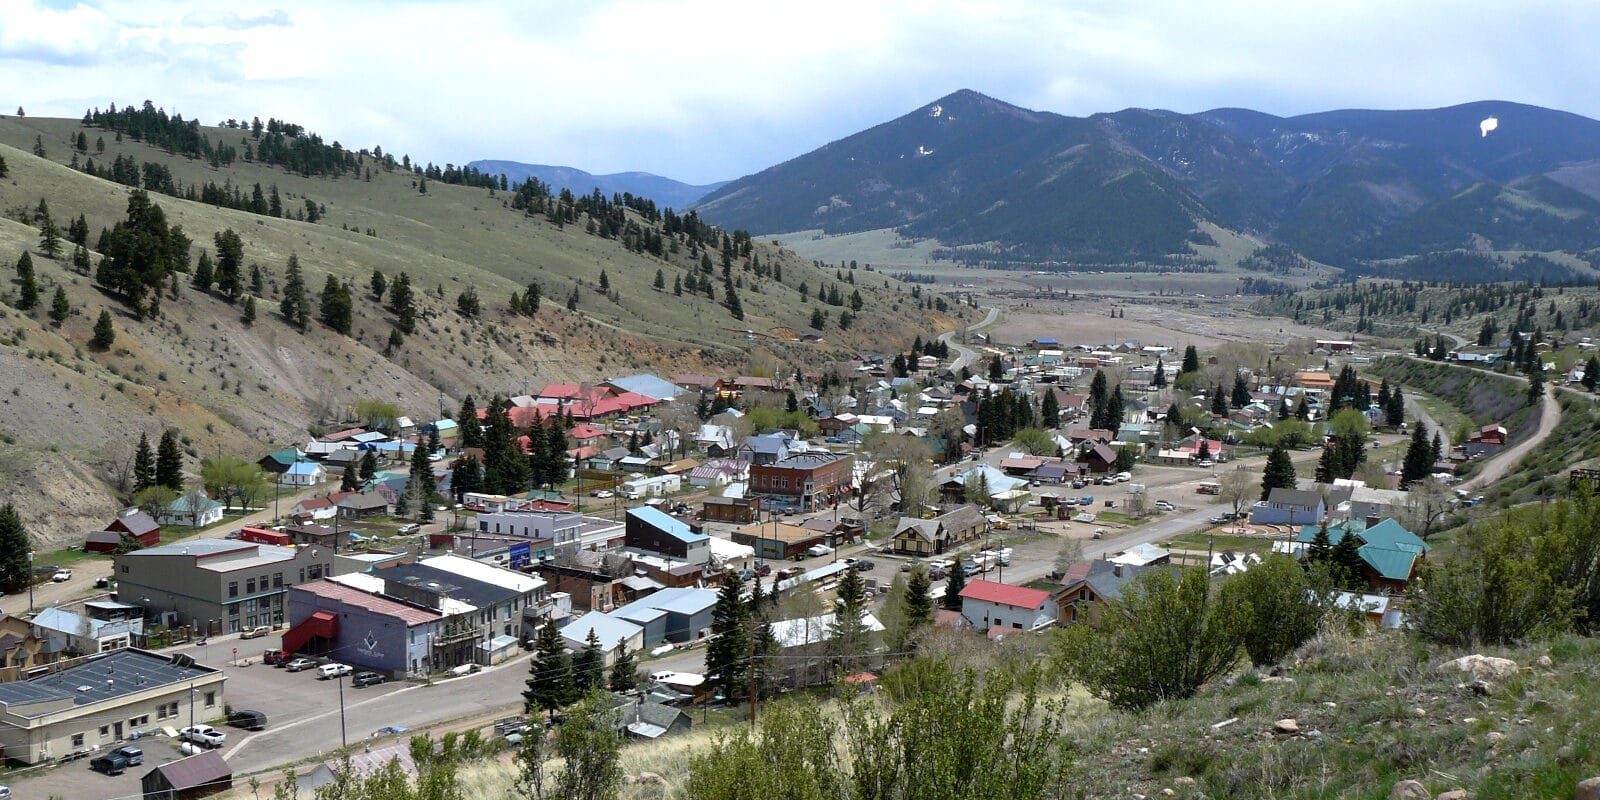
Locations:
(989, 604)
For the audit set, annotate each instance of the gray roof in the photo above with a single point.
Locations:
(448, 584)
(107, 677)
(1294, 497)
(647, 385)
(1105, 581)
(193, 547)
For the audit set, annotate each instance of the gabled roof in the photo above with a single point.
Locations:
(1005, 594)
(135, 521)
(1300, 498)
(1393, 563)
(607, 629)
(196, 771)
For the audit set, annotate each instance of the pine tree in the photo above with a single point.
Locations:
(572, 300)
(953, 586)
(1219, 402)
(349, 481)
(819, 319)
(378, 284)
(336, 307)
(258, 283)
(60, 309)
(605, 281)
(369, 465)
(144, 465)
(1279, 472)
(848, 631)
(727, 653)
(1159, 379)
(1320, 550)
(104, 333)
(660, 281)
(549, 684)
(49, 238)
(1591, 373)
(731, 300)
(1418, 463)
(1191, 361)
(293, 306)
(1241, 393)
(28, 285)
(1302, 410)
(229, 269)
(1346, 559)
(249, 315)
(588, 665)
(1436, 450)
(15, 569)
(677, 286)
(169, 462)
(624, 670)
(918, 602)
(202, 277)
(467, 304)
(467, 426)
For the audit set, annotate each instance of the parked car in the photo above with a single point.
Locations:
(203, 734)
(1123, 477)
(601, 493)
(763, 569)
(1086, 500)
(62, 576)
(256, 632)
(863, 565)
(361, 679)
(1166, 505)
(299, 664)
(247, 719)
(1205, 462)
(465, 669)
(747, 574)
(327, 671)
(5, 792)
(99, 583)
(406, 530)
(109, 764)
(134, 755)
(273, 657)
(818, 550)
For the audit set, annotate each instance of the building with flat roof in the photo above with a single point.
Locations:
(801, 481)
(779, 541)
(101, 701)
(346, 622)
(217, 585)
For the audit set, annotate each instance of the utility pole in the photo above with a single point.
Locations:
(343, 741)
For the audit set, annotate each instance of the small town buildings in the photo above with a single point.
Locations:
(193, 509)
(801, 481)
(563, 528)
(763, 450)
(641, 486)
(1088, 585)
(364, 504)
(678, 614)
(608, 630)
(132, 524)
(21, 649)
(654, 530)
(1098, 458)
(200, 775)
(1390, 554)
(79, 709)
(1142, 555)
(1486, 441)
(104, 626)
(999, 608)
(277, 463)
(303, 473)
(922, 537)
(730, 509)
(1288, 507)
(647, 721)
(369, 630)
(779, 541)
(211, 582)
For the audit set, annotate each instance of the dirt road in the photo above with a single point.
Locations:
(1505, 460)
(966, 356)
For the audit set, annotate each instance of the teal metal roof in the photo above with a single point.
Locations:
(1394, 563)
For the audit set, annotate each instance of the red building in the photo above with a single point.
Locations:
(801, 481)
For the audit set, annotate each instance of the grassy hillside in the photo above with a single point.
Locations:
(74, 413)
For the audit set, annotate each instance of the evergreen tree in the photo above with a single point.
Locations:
(349, 481)
(549, 684)
(378, 284)
(15, 569)
(727, 654)
(1050, 409)
(203, 277)
(1302, 410)
(1436, 450)
(677, 286)
(229, 270)
(624, 670)
(169, 462)
(1279, 472)
(369, 465)
(588, 665)
(467, 303)
(1346, 560)
(104, 334)
(144, 465)
(49, 238)
(1419, 459)
(294, 306)
(953, 586)
(336, 307)
(1321, 549)
(468, 428)
(1219, 402)
(660, 281)
(530, 299)
(1159, 379)
(848, 631)
(258, 282)
(1241, 393)
(1394, 409)
(28, 285)
(605, 281)
(466, 475)
(731, 300)
(1591, 373)
(572, 300)
(997, 371)
(918, 602)
(1191, 361)
(1112, 417)
(249, 315)
(60, 309)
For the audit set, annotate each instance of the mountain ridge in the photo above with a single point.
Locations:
(1017, 186)
(667, 192)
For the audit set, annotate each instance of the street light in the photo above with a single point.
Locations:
(343, 741)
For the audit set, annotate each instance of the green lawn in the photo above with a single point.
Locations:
(1238, 544)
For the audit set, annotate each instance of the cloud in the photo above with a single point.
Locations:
(711, 89)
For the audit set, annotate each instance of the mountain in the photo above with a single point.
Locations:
(73, 412)
(1351, 188)
(667, 192)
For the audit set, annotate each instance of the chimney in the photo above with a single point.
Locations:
(1116, 569)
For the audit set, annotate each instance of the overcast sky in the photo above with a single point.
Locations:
(701, 90)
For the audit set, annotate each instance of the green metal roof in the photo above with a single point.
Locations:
(1393, 563)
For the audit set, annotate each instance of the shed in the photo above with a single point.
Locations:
(196, 776)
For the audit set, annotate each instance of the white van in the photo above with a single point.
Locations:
(332, 671)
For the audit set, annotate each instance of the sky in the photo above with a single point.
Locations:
(706, 90)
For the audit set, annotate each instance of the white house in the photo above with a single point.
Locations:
(651, 486)
(610, 632)
(988, 605)
(194, 509)
(303, 473)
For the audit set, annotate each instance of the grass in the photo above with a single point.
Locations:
(1200, 542)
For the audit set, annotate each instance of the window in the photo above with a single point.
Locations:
(211, 699)
(233, 588)
(250, 586)
(105, 730)
(134, 722)
(124, 569)
(77, 740)
(277, 580)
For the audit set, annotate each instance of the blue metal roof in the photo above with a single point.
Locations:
(666, 523)
(647, 385)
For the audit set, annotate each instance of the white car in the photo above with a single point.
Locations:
(1123, 477)
(601, 493)
(332, 671)
(203, 734)
(62, 576)
(1165, 505)
(465, 669)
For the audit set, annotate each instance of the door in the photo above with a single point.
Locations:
(116, 731)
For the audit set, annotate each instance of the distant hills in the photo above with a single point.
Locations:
(1362, 190)
(667, 192)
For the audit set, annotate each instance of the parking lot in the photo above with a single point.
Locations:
(75, 780)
